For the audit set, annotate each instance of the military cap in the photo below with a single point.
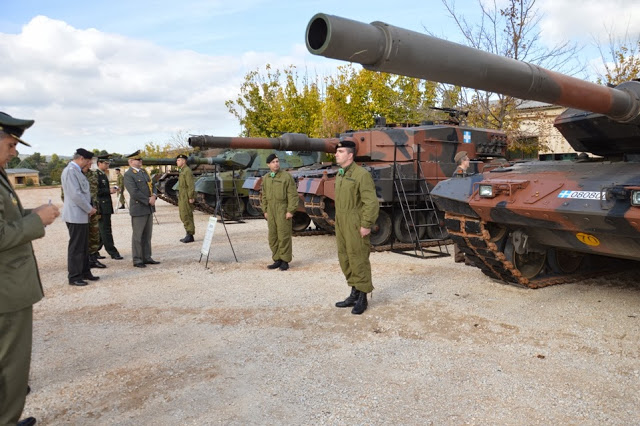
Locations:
(181, 156)
(84, 153)
(346, 144)
(271, 157)
(14, 126)
(104, 158)
(459, 156)
(135, 156)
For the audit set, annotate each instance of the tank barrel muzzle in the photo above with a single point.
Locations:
(382, 47)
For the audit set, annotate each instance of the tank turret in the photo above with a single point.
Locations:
(535, 223)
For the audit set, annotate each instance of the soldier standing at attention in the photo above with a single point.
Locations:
(186, 197)
(105, 207)
(356, 211)
(279, 199)
(142, 201)
(20, 286)
(120, 185)
(95, 242)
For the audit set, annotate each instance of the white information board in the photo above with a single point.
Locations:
(208, 236)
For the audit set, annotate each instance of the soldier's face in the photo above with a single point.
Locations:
(7, 148)
(274, 165)
(342, 156)
(103, 166)
(181, 162)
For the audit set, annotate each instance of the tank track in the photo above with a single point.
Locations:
(314, 205)
(473, 239)
(169, 200)
(409, 246)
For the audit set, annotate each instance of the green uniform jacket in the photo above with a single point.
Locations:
(186, 187)
(356, 206)
(20, 284)
(279, 195)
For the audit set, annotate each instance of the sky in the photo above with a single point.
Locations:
(116, 75)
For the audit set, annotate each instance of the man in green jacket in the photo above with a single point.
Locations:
(186, 197)
(356, 212)
(20, 286)
(279, 199)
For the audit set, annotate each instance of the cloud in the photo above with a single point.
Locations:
(99, 90)
(588, 19)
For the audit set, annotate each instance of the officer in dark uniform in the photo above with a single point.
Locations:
(105, 206)
(357, 210)
(142, 201)
(20, 285)
(279, 200)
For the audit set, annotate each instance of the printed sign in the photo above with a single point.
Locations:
(588, 239)
(208, 236)
(580, 195)
(466, 136)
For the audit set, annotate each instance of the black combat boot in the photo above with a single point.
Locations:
(284, 266)
(275, 264)
(187, 239)
(349, 301)
(361, 304)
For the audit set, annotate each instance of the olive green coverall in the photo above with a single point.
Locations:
(356, 206)
(186, 191)
(279, 195)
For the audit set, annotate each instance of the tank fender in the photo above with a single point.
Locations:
(452, 195)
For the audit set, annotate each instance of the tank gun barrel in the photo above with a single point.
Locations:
(286, 142)
(382, 47)
(239, 159)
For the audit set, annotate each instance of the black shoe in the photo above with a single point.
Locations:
(99, 256)
(79, 283)
(96, 264)
(29, 421)
(139, 265)
(28, 389)
(121, 207)
(349, 301)
(151, 262)
(284, 266)
(361, 304)
(188, 239)
(91, 277)
(117, 257)
(275, 264)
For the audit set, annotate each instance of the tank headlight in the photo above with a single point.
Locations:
(635, 198)
(486, 191)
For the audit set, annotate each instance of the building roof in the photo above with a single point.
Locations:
(20, 171)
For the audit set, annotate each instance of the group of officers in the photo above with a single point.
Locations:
(356, 212)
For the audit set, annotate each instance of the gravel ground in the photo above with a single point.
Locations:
(238, 344)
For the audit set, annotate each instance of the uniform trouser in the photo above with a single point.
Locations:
(107, 234)
(142, 227)
(95, 242)
(280, 229)
(353, 252)
(186, 216)
(78, 251)
(121, 199)
(15, 360)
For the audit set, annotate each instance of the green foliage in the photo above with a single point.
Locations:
(276, 102)
(621, 62)
(13, 163)
(29, 182)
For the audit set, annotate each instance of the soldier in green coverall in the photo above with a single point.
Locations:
(186, 197)
(356, 212)
(120, 185)
(279, 198)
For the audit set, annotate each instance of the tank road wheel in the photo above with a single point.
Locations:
(529, 265)
(381, 230)
(168, 187)
(301, 221)
(232, 209)
(433, 232)
(564, 261)
(252, 210)
(400, 228)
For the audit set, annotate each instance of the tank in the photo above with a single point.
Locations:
(166, 182)
(533, 223)
(413, 154)
(239, 187)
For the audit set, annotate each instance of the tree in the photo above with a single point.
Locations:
(513, 32)
(621, 59)
(14, 163)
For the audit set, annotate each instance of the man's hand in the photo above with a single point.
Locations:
(288, 216)
(265, 215)
(93, 211)
(191, 200)
(47, 213)
(112, 190)
(364, 231)
(152, 200)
